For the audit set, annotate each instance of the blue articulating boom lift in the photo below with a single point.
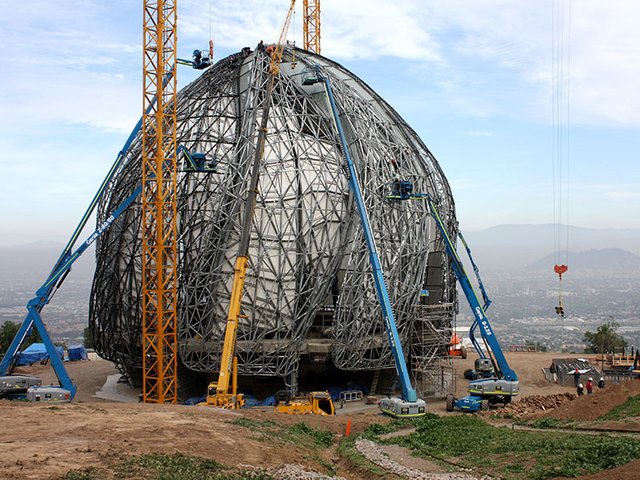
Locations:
(409, 405)
(16, 386)
(11, 385)
(493, 380)
(501, 382)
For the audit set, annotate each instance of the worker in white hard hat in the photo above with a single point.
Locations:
(601, 382)
(589, 386)
(580, 389)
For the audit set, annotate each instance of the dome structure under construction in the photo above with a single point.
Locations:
(309, 296)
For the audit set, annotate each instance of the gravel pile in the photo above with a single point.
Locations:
(536, 403)
(374, 453)
(298, 472)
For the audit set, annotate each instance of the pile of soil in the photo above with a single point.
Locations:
(601, 402)
(533, 404)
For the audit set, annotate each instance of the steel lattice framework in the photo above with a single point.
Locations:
(308, 289)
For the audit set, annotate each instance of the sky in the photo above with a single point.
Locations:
(474, 79)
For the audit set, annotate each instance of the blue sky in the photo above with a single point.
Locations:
(473, 78)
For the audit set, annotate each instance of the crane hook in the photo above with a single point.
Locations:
(560, 269)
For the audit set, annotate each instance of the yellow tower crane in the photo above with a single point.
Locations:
(159, 182)
(223, 393)
(311, 25)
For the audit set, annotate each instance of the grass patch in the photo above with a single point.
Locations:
(253, 424)
(630, 408)
(298, 433)
(182, 467)
(517, 455)
(86, 474)
(322, 438)
(546, 423)
(376, 429)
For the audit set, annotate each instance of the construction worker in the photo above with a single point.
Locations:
(197, 58)
(200, 61)
(589, 386)
(576, 376)
(580, 390)
(601, 382)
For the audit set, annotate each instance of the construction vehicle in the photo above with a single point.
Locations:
(409, 405)
(497, 382)
(456, 348)
(17, 386)
(317, 403)
(223, 392)
(14, 384)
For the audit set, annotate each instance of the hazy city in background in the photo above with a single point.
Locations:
(516, 264)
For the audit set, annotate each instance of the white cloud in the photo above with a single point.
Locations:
(74, 67)
(517, 36)
(481, 133)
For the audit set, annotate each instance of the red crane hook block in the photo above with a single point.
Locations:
(560, 269)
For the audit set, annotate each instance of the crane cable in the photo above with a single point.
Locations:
(293, 49)
(211, 30)
(561, 89)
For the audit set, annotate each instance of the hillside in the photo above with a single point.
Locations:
(603, 260)
(92, 439)
(507, 246)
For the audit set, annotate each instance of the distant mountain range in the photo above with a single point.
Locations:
(497, 248)
(604, 260)
(516, 246)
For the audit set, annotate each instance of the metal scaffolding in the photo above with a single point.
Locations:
(308, 289)
(433, 372)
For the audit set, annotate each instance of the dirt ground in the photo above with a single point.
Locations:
(591, 407)
(46, 440)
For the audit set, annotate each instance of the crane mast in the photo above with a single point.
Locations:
(311, 25)
(159, 209)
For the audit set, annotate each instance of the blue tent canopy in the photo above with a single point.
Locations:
(36, 352)
(77, 352)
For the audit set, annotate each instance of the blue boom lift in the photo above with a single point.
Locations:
(409, 405)
(17, 386)
(498, 383)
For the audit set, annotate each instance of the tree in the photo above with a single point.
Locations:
(88, 338)
(605, 339)
(8, 331)
(539, 347)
